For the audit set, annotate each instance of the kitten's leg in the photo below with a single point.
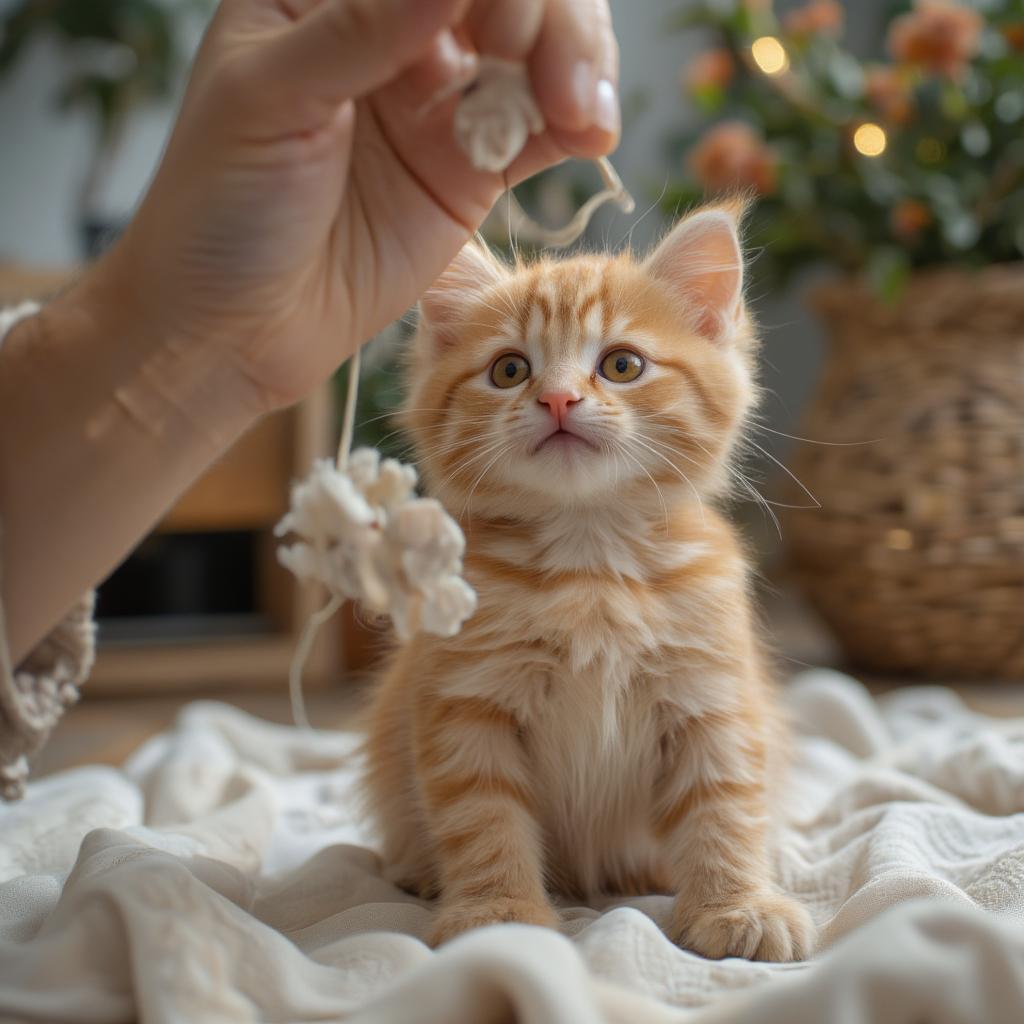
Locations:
(391, 802)
(406, 849)
(712, 818)
(474, 787)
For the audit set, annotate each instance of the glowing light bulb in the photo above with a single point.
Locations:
(869, 139)
(769, 55)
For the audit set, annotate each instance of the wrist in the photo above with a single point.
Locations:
(107, 418)
(170, 383)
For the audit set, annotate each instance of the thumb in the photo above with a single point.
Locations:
(343, 49)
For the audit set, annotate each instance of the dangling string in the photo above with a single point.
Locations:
(327, 612)
(560, 238)
(348, 423)
(300, 657)
(509, 199)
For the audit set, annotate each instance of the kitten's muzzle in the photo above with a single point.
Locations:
(559, 403)
(564, 436)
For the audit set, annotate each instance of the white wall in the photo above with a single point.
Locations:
(651, 59)
(44, 155)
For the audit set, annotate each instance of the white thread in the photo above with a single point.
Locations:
(9, 318)
(355, 366)
(493, 122)
(301, 656)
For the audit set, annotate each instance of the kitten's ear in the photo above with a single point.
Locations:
(702, 262)
(444, 304)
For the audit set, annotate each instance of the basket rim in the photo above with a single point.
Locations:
(958, 290)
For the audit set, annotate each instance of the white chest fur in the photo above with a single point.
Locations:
(592, 655)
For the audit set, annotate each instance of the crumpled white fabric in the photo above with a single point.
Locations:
(222, 875)
(366, 536)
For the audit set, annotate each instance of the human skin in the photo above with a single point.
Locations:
(305, 200)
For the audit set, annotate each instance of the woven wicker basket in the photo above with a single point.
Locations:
(916, 557)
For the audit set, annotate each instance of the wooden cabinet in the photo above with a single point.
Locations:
(247, 490)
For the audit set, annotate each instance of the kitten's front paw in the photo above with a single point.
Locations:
(455, 918)
(761, 926)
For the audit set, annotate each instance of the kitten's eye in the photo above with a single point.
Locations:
(622, 366)
(510, 371)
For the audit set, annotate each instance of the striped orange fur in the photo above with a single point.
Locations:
(604, 723)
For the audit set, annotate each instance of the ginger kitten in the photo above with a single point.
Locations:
(605, 723)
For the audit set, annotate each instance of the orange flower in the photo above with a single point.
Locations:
(819, 17)
(733, 156)
(1014, 35)
(888, 92)
(909, 218)
(938, 35)
(714, 69)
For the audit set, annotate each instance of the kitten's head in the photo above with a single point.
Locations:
(596, 378)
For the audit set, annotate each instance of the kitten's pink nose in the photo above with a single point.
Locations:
(558, 403)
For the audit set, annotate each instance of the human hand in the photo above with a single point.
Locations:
(306, 199)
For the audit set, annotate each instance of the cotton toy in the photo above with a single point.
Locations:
(366, 536)
(360, 528)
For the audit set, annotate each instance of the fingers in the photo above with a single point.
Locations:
(342, 49)
(440, 72)
(505, 28)
(574, 69)
(585, 145)
(332, 50)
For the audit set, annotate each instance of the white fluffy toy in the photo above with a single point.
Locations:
(361, 529)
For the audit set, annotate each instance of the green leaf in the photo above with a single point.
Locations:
(688, 19)
(888, 270)
(954, 103)
(961, 230)
(846, 75)
(975, 139)
(709, 98)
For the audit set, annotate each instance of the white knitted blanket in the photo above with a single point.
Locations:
(221, 876)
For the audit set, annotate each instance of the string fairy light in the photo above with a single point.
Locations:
(869, 139)
(769, 55)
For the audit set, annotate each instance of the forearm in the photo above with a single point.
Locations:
(103, 424)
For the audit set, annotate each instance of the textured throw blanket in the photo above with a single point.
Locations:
(222, 876)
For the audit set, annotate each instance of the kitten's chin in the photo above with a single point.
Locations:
(564, 469)
(566, 444)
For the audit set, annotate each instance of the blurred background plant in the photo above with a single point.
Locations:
(118, 54)
(910, 158)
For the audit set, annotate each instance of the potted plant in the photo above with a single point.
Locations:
(905, 174)
(119, 54)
